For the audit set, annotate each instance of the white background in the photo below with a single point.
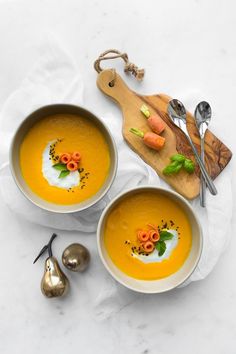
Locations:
(185, 46)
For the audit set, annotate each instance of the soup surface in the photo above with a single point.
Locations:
(142, 211)
(41, 165)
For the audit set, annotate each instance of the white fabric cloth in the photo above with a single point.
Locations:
(55, 78)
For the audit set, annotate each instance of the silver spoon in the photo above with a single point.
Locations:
(202, 117)
(177, 114)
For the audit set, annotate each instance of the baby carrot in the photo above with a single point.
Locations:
(156, 124)
(154, 121)
(150, 139)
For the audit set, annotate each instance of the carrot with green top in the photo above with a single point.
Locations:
(154, 120)
(150, 139)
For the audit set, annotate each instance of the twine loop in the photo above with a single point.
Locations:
(129, 67)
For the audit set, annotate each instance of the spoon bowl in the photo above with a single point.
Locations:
(177, 113)
(202, 116)
(176, 109)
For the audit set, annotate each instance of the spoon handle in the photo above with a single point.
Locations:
(205, 174)
(202, 181)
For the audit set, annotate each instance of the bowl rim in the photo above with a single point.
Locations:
(70, 208)
(117, 278)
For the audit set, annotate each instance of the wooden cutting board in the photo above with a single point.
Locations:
(217, 155)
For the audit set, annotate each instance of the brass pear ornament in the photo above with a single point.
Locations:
(54, 282)
(76, 257)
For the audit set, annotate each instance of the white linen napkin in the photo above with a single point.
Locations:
(55, 79)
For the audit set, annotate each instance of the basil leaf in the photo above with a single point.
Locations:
(158, 246)
(178, 158)
(63, 174)
(165, 235)
(189, 166)
(161, 247)
(172, 168)
(59, 166)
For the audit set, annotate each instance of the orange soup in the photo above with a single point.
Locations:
(65, 159)
(148, 236)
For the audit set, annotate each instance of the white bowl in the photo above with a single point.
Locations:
(15, 159)
(160, 285)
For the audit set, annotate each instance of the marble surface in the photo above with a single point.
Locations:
(184, 46)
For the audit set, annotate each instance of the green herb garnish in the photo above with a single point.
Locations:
(188, 166)
(172, 168)
(160, 247)
(63, 174)
(60, 167)
(178, 161)
(165, 235)
(178, 158)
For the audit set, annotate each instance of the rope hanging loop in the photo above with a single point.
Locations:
(129, 67)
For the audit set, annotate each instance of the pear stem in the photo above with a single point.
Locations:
(40, 253)
(46, 247)
(50, 244)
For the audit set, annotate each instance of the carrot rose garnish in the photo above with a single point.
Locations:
(154, 227)
(76, 156)
(72, 166)
(65, 158)
(148, 246)
(153, 235)
(143, 236)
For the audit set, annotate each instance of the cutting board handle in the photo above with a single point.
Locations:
(119, 91)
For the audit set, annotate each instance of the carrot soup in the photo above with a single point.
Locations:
(148, 236)
(64, 159)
